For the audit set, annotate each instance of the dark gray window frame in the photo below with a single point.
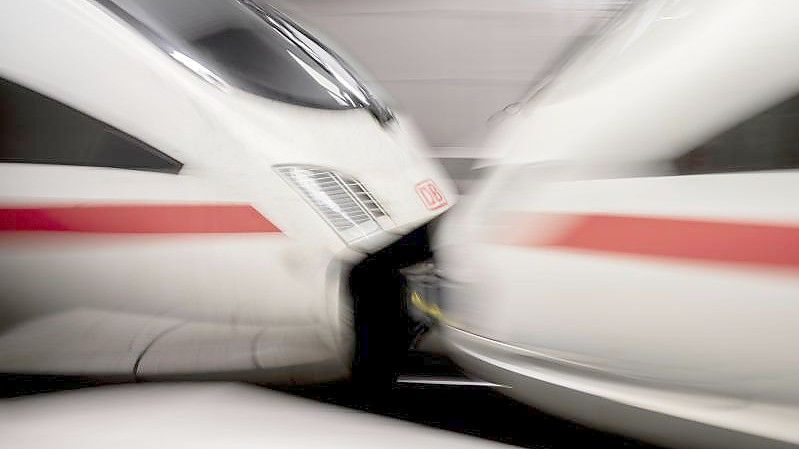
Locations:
(768, 140)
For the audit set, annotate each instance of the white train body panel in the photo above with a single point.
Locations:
(606, 281)
(266, 302)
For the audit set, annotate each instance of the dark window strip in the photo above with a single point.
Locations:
(36, 129)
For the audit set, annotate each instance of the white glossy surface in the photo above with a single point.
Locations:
(656, 333)
(221, 285)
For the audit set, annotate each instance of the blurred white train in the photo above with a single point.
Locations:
(199, 188)
(632, 259)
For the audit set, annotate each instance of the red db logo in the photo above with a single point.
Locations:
(431, 196)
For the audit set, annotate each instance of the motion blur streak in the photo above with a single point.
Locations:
(718, 241)
(205, 416)
(137, 219)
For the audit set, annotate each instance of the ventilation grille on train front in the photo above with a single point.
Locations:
(341, 200)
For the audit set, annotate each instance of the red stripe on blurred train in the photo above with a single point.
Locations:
(630, 261)
(136, 219)
(185, 187)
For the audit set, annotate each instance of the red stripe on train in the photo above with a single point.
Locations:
(718, 241)
(136, 219)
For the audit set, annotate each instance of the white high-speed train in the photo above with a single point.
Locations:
(199, 188)
(632, 259)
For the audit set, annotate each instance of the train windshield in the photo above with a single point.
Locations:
(250, 46)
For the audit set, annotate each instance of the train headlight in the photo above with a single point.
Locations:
(341, 200)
